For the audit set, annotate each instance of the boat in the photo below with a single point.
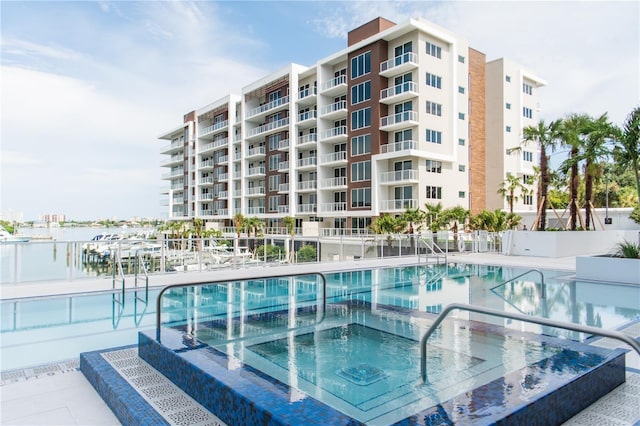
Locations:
(6, 237)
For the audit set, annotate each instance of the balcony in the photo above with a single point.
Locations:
(283, 166)
(206, 165)
(334, 183)
(177, 200)
(206, 180)
(237, 193)
(256, 152)
(206, 212)
(399, 65)
(399, 93)
(177, 186)
(333, 158)
(237, 174)
(307, 119)
(399, 121)
(223, 159)
(255, 210)
(237, 138)
(267, 108)
(307, 140)
(205, 197)
(398, 205)
(307, 185)
(283, 145)
(307, 208)
(237, 156)
(256, 171)
(222, 212)
(223, 194)
(283, 209)
(172, 147)
(268, 128)
(335, 110)
(216, 127)
(333, 87)
(283, 188)
(333, 207)
(306, 163)
(307, 96)
(255, 191)
(401, 176)
(222, 177)
(334, 134)
(174, 160)
(173, 174)
(398, 147)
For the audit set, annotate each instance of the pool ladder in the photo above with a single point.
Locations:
(518, 317)
(436, 251)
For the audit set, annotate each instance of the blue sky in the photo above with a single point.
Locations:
(88, 86)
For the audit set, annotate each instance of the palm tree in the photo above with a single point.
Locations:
(571, 131)
(238, 223)
(508, 189)
(290, 223)
(545, 136)
(387, 224)
(627, 151)
(413, 217)
(593, 148)
(456, 215)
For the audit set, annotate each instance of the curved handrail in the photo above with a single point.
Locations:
(159, 299)
(138, 263)
(519, 317)
(522, 275)
(117, 267)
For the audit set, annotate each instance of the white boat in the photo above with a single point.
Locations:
(6, 237)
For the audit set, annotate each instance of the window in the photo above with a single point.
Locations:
(274, 182)
(527, 112)
(461, 167)
(434, 192)
(361, 65)
(462, 142)
(526, 179)
(461, 59)
(361, 118)
(401, 51)
(434, 136)
(361, 92)
(434, 80)
(274, 96)
(508, 78)
(360, 222)
(434, 50)
(461, 90)
(527, 156)
(528, 200)
(274, 162)
(461, 115)
(527, 89)
(508, 129)
(361, 171)
(361, 145)
(361, 197)
(274, 202)
(461, 194)
(434, 166)
(507, 105)
(434, 108)
(274, 142)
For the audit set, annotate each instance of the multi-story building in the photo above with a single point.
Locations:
(394, 121)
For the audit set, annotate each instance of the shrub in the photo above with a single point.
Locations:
(274, 253)
(307, 253)
(635, 214)
(627, 250)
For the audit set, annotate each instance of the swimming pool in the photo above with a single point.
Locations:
(39, 331)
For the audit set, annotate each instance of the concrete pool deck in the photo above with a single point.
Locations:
(60, 394)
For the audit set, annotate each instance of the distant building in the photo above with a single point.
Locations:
(52, 218)
(405, 115)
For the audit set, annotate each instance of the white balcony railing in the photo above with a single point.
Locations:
(283, 166)
(310, 91)
(283, 144)
(399, 176)
(338, 106)
(254, 171)
(237, 174)
(214, 127)
(268, 127)
(284, 187)
(237, 193)
(399, 204)
(335, 182)
(259, 151)
(177, 200)
(333, 132)
(177, 185)
(172, 159)
(333, 207)
(405, 58)
(307, 184)
(256, 190)
(207, 196)
(398, 118)
(406, 87)
(340, 80)
(172, 146)
(308, 138)
(206, 180)
(255, 210)
(206, 164)
(223, 194)
(283, 209)
(334, 157)
(304, 162)
(307, 208)
(222, 177)
(268, 106)
(173, 173)
(222, 159)
(398, 146)
(206, 212)
(222, 212)
(307, 115)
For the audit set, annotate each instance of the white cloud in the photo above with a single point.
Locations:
(26, 48)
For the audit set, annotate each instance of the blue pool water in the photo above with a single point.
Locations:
(35, 332)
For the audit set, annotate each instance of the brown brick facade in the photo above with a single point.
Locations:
(477, 135)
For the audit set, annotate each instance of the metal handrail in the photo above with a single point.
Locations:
(140, 262)
(433, 247)
(159, 299)
(518, 317)
(521, 275)
(117, 266)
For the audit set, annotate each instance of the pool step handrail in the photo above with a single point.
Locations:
(118, 275)
(140, 264)
(518, 317)
(172, 286)
(522, 275)
(436, 251)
